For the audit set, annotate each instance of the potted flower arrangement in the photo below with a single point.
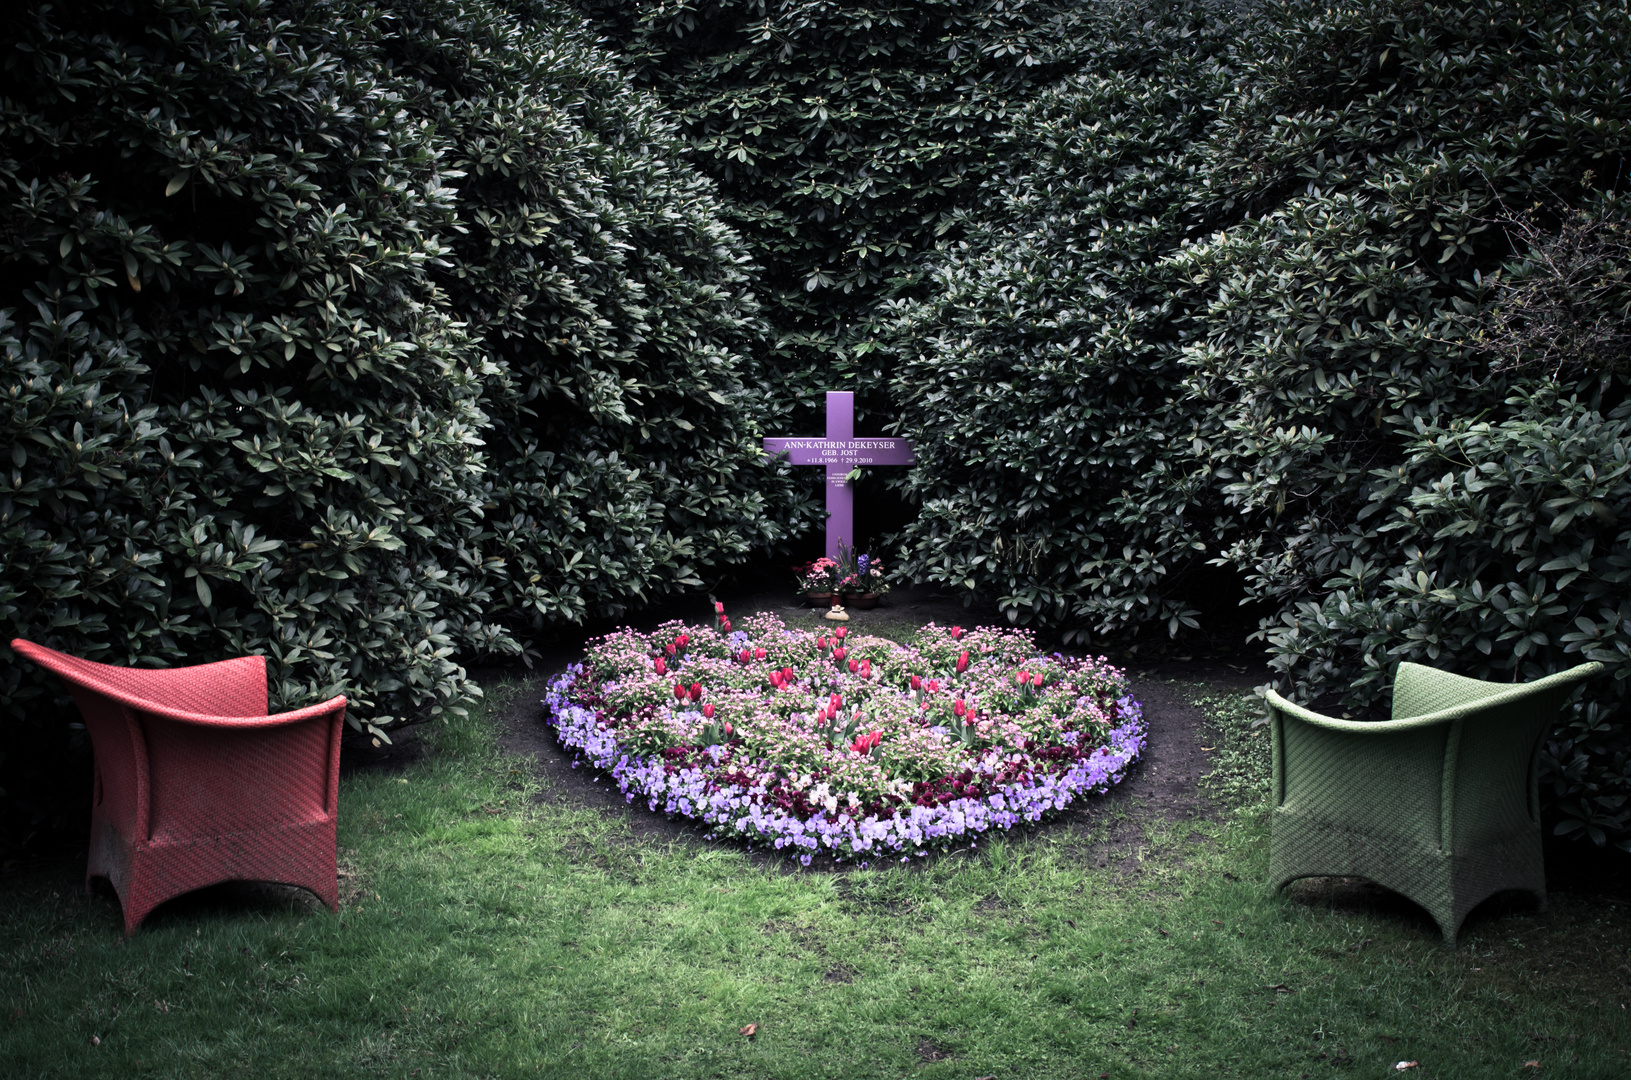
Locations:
(817, 581)
(860, 580)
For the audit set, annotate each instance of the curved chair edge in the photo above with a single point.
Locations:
(1443, 716)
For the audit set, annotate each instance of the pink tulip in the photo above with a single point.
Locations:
(838, 653)
(835, 704)
(866, 669)
(934, 686)
(746, 655)
(957, 633)
(719, 608)
(959, 709)
(758, 654)
(854, 667)
(708, 710)
(841, 631)
(727, 730)
(962, 662)
(662, 668)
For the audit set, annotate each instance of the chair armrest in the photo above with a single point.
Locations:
(1422, 692)
(336, 704)
(1501, 696)
(215, 774)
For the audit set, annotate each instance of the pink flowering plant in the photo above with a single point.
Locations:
(834, 743)
(816, 578)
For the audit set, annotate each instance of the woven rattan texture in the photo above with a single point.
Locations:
(1439, 804)
(195, 784)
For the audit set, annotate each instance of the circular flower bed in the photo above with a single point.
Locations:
(843, 744)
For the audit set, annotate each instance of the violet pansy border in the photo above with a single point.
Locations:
(732, 811)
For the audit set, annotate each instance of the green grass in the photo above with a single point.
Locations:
(492, 933)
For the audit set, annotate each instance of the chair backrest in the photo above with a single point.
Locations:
(1492, 753)
(163, 776)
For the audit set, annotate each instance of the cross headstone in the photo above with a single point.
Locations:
(841, 452)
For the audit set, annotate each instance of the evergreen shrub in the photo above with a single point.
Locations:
(1247, 312)
(843, 137)
(370, 339)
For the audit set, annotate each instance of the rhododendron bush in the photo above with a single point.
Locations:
(844, 744)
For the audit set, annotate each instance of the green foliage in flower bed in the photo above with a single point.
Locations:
(1266, 318)
(368, 339)
(849, 747)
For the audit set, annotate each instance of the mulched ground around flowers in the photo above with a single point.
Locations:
(1162, 785)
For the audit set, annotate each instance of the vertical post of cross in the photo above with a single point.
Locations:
(840, 493)
(841, 452)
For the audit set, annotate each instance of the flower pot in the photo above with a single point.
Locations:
(819, 599)
(861, 601)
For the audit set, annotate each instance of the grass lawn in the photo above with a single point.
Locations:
(494, 932)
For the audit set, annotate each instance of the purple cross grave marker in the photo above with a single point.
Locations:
(840, 452)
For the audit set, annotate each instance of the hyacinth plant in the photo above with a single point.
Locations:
(845, 745)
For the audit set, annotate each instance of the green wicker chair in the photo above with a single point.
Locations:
(1440, 803)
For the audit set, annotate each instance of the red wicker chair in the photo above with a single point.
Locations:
(195, 784)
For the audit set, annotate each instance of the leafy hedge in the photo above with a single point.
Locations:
(843, 137)
(1239, 313)
(366, 338)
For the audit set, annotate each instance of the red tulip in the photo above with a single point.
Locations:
(758, 654)
(957, 633)
(835, 704)
(962, 662)
(708, 710)
(669, 649)
(917, 682)
(696, 691)
(934, 686)
(866, 669)
(679, 691)
(719, 608)
(1023, 678)
(746, 655)
(854, 667)
(724, 624)
(841, 631)
(839, 653)
(662, 668)
(959, 709)
(787, 674)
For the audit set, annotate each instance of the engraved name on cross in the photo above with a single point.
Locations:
(841, 452)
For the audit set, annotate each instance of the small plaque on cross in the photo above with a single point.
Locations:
(841, 452)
